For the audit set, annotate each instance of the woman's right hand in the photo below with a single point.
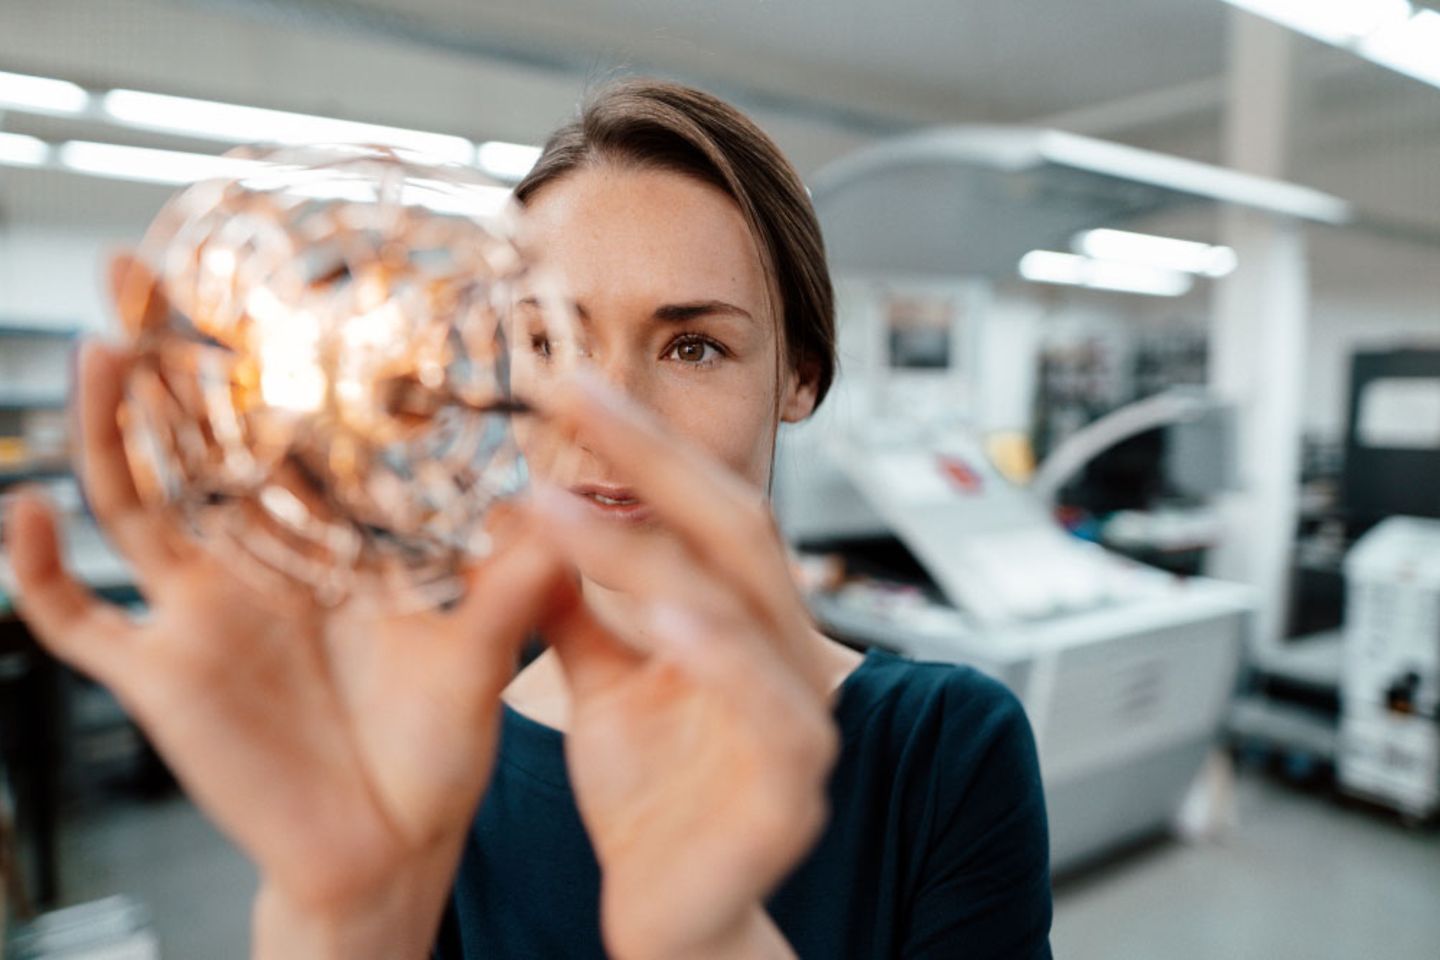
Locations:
(344, 754)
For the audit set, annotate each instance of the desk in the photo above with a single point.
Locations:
(32, 709)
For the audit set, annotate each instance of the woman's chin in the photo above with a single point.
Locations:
(640, 540)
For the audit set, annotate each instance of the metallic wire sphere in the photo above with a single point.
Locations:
(323, 386)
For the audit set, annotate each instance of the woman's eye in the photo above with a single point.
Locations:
(695, 351)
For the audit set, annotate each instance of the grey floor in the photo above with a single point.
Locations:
(1301, 877)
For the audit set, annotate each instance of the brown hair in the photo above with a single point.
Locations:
(658, 124)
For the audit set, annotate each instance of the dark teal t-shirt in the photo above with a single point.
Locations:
(936, 848)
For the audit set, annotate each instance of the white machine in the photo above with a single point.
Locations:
(1390, 692)
(1124, 672)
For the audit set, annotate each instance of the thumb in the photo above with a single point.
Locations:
(136, 293)
(510, 594)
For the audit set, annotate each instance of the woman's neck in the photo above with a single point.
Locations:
(540, 691)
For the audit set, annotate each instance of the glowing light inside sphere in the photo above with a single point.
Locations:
(323, 386)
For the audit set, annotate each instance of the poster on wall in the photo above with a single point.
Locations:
(919, 327)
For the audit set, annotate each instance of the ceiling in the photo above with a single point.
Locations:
(1147, 72)
(825, 76)
(916, 60)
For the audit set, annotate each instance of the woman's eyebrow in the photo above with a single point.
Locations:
(669, 312)
(534, 303)
(681, 312)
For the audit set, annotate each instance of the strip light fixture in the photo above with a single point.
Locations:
(19, 150)
(1071, 269)
(477, 200)
(1186, 256)
(222, 122)
(42, 95)
(233, 123)
(1399, 34)
(146, 164)
(178, 168)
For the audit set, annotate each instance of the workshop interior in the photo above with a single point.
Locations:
(1138, 406)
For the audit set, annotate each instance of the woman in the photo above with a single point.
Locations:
(691, 770)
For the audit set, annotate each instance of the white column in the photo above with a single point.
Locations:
(1258, 331)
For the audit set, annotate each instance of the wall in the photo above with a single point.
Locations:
(49, 277)
(52, 275)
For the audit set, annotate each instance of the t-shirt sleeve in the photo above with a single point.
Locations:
(983, 886)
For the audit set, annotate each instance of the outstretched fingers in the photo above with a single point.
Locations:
(692, 616)
(509, 594)
(135, 291)
(140, 532)
(67, 618)
(734, 535)
(669, 474)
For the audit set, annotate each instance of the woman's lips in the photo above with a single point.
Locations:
(616, 503)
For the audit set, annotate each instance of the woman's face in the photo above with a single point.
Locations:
(673, 309)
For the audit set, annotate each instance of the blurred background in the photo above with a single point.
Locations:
(1139, 410)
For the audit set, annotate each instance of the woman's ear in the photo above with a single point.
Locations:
(801, 387)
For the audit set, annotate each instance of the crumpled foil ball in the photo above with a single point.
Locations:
(322, 388)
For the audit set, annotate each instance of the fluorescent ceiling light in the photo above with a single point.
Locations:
(1046, 266)
(41, 94)
(1137, 278)
(146, 165)
(1333, 21)
(472, 200)
(18, 150)
(1393, 33)
(1069, 269)
(506, 161)
(234, 123)
(176, 168)
(1411, 47)
(1186, 256)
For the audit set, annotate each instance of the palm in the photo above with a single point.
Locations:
(631, 740)
(325, 745)
(670, 755)
(329, 744)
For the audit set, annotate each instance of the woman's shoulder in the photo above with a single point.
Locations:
(912, 714)
(945, 753)
(892, 688)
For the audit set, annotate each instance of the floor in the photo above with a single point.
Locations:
(1302, 876)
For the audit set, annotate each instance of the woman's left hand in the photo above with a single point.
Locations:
(700, 744)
